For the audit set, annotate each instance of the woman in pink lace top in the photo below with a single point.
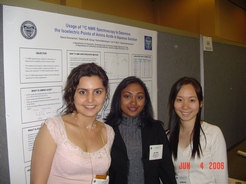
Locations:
(75, 148)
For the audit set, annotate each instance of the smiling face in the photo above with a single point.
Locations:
(89, 96)
(132, 100)
(186, 104)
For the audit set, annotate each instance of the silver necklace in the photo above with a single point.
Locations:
(93, 126)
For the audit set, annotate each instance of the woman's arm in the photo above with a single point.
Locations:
(219, 154)
(42, 156)
(167, 173)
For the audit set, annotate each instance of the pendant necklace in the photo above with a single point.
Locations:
(93, 126)
(86, 149)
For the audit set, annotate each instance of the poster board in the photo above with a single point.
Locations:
(41, 48)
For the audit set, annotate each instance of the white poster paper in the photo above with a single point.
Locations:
(41, 48)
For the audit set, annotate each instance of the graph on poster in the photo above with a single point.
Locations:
(117, 64)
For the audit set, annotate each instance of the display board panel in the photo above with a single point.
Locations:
(178, 56)
(41, 48)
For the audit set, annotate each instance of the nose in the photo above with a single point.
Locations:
(90, 97)
(133, 101)
(185, 105)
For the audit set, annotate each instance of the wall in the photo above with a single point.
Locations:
(230, 22)
(225, 90)
(180, 14)
(4, 172)
(136, 10)
(178, 55)
(215, 18)
(173, 63)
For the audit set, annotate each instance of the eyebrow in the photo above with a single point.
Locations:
(131, 93)
(89, 89)
(188, 97)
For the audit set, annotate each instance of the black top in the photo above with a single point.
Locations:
(154, 170)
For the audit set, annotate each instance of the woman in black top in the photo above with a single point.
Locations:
(140, 152)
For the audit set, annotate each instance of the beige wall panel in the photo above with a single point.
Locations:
(232, 22)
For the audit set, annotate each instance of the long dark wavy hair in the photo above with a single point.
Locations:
(115, 115)
(174, 120)
(83, 70)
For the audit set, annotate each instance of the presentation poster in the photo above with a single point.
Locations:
(41, 48)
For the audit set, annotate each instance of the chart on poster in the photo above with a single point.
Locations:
(40, 50)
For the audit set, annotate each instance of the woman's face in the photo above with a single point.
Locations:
(186, 104)
(132, 99)
(89, 96)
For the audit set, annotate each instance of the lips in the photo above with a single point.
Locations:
(185, 113)
(89, 106)
(132, 109)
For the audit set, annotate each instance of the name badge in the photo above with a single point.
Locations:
(100, 180)
(182, 179)
(155, 152)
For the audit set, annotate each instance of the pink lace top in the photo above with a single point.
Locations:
(71, 164)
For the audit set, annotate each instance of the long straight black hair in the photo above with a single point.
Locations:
(115, 115)
(174, 120)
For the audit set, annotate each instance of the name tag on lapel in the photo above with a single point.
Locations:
(155, 152)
